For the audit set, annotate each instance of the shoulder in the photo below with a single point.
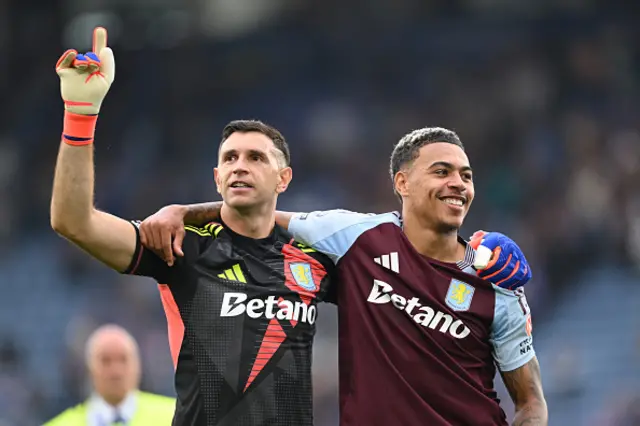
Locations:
(211, 229)
(319, 225)
(69, 416)
(505, 296)
(333, 232)
(160, 406)
(302, 251)
(197, 239)
(156, 399)
(154, 409)
(511, 311)
(291, 246)
(347, 217)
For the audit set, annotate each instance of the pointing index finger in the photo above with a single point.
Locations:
(99, 39)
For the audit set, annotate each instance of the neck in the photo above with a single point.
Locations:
(439, 245)
(257, 222)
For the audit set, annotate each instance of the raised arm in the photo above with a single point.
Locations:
(163, 232)
(85, 81)
(525, 387)
(106, 237)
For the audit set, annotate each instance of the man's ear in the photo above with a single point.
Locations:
(285, 176)
(401, 183)
(216, 179)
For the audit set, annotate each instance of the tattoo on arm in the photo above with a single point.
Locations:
(199, 214)
(525, 387)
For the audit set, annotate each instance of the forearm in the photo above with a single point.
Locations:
(73, 186)
(106, 237)
(533, 413)
(525, 387)
(199, 214)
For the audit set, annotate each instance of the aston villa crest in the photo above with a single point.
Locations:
(459, 295)
(301, 272)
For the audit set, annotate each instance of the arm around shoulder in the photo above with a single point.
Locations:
(332, 232)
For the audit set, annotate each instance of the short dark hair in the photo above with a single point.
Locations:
(407, 149)
(246, 126)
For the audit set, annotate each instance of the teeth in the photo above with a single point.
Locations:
(240, 185)
(454, 201)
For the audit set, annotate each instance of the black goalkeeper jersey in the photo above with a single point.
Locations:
(241, 316)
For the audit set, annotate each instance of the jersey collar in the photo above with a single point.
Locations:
(466, 264)
(101, 413)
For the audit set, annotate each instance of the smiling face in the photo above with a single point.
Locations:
(437, 186)
(251, 170)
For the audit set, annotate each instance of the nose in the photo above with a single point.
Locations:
(456, 182)
(240, 166)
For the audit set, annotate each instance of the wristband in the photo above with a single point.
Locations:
(78, 129)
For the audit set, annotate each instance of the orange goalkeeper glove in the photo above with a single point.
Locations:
(84, 83)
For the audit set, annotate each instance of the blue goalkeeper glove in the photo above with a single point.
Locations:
(500, 260)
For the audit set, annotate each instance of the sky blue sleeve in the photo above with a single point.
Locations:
(511, 330)
(333, 232)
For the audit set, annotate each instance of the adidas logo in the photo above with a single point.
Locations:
(389, 261)
(233, 274)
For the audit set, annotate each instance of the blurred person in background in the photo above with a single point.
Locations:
(113, 362)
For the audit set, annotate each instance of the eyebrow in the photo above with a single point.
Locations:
(450, 166)
(251, 152)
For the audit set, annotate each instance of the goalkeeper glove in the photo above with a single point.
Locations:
(500, 260)
(84, 83)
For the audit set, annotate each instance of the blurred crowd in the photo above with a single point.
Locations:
(545, 96)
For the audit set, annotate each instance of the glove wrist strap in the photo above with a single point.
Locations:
(78, 129)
